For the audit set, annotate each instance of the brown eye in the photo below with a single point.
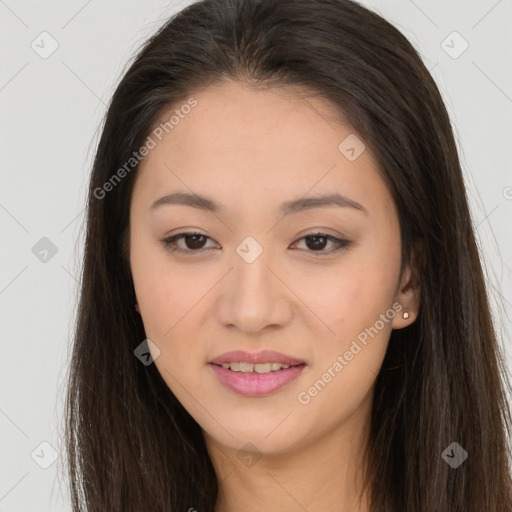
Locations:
(195, 242)
(317, 242)
(192, 242)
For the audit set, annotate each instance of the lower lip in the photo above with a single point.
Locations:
(256, 384)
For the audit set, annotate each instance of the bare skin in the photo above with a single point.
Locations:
(251, 149)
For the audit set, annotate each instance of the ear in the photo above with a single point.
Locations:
(409, 289)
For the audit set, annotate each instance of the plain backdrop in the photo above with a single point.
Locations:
(51, 106)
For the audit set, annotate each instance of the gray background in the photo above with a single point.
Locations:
(50, 112)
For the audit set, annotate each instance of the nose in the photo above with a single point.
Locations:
(254, 297)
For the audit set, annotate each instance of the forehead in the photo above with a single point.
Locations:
(233, 116)
(256, 141)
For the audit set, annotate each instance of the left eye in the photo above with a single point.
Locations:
(317, 241)
(194, 242)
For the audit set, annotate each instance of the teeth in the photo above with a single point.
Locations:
(246, 367)
(255, 368)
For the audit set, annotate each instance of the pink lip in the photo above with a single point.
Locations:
(266, 356)
(256, 384)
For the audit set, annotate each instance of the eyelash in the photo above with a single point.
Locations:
(168, 242)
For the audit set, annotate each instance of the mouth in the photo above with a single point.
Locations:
(258, 368)
(256, 380)
(258, 359)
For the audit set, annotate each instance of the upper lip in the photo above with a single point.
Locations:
(266, 356)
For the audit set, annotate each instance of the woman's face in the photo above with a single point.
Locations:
(251, 165)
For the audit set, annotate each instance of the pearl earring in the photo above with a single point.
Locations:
(405, 316)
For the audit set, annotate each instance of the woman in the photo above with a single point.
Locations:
(282, 302)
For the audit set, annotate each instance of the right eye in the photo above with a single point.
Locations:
(193, 242)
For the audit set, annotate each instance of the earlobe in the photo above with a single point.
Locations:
(404, 319)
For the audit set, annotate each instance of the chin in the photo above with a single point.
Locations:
(251, 437)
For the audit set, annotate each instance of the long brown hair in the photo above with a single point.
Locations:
(131, 445)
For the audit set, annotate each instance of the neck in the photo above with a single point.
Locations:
(324, 474)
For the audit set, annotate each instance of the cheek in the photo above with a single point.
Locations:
(356, 303)
(347, 363)
(352, 295)
(164, 292)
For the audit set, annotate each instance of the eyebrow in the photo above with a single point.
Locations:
(287, 208)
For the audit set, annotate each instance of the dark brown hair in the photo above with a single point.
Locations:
(131, 445)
